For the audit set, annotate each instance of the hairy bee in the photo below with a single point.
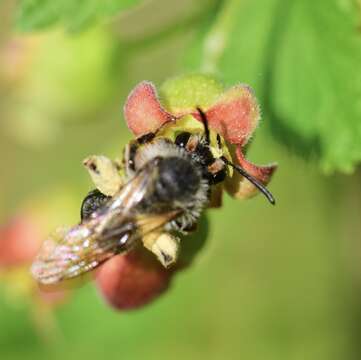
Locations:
(165, 187)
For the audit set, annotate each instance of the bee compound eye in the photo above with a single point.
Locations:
(182, 139)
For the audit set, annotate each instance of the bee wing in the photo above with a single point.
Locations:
(114, 228)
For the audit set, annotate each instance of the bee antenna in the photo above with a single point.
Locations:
(205, 124)
(251, 179)
(219, 141)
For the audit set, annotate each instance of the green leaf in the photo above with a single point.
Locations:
(74, 15)
(316, 81)
(303, 58)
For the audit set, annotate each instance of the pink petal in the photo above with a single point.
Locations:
(235, 115)
(241, 188)
(143, 112)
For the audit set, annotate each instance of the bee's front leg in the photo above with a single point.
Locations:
(104, 173)
(164, 245)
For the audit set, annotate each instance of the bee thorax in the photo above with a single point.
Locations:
(179, 180)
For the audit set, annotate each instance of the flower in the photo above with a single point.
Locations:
(135, 279)
(234, 114)
(20, 238)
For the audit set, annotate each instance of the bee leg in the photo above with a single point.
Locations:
(164, 245)
(217, 172)
(104, 173)
(190, 228)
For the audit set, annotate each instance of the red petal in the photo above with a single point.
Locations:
(261, 173)
(235, 115)
(132, 280)
(143, 111)
(240, 187)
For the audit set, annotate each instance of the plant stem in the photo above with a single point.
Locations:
(217, 38)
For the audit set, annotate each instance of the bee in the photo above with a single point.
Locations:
(165, 187)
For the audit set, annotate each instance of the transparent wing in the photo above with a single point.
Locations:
(68, 253)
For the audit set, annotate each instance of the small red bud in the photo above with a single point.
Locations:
(19, 241)
(132, 280)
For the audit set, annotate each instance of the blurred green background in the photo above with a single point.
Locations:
(278, 282)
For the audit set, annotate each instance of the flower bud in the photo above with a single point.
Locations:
(132, 280)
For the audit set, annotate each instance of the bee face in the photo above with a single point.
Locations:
(192, 147)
